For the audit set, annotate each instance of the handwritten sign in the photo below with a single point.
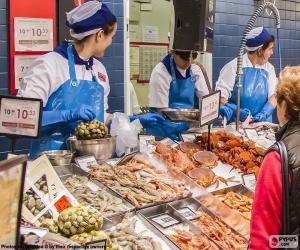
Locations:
(210, 108)
(100, 244)
(33, 34)
(146, 143)
(20, 116)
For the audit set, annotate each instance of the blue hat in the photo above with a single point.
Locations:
(257, 38)
(88, 19)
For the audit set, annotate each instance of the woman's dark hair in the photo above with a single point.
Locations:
(109, 27)
(266, 44)
(185, 55)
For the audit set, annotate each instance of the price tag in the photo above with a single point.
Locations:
(20, 116)
(170, 142)
(146, 143)
(249, 180)
(22, 64)
(62, 204)
(251, 133)
(210, 108)
(33, 34)
(100, 244)
(85, 162)
(188, 137)
(165, 220)
(187, 213)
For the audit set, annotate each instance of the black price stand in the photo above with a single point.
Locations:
(20, 118)
(12, 179)
(209, 112)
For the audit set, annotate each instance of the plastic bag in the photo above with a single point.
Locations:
(125, 131)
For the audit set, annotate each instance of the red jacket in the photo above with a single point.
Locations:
(267, 205)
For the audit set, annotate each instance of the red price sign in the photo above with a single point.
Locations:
(62, 204)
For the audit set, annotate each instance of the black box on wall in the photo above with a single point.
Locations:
(193, 25)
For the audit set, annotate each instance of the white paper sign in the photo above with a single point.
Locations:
(186, 213)
(33, 34)
(146, 143)
(210, 106)
(150, 33)
(22, 64)
(165, 220)
(170, 142)
(100, 245)
(251, 133)
(85, 162)
(19, 116)
(249, 180)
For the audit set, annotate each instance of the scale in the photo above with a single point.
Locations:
(20, 118)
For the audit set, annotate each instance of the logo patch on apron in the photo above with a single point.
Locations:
(102, 77)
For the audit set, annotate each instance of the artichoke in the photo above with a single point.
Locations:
(84, 238)
(91, 130)
(79, 220)
(50, 224)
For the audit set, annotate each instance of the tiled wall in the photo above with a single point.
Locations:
(233, 15)
(113, 61)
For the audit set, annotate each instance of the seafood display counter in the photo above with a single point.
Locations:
(180, 197)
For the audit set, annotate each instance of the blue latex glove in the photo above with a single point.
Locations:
(265, 113)
(228, 110)
(147, 119)
(85, 113)
(172, 129)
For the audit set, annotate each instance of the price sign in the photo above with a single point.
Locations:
(146, 143)
(187, 137)
(187, 213)
(20, 116)
(249, 180)
(170, 142)
(22, 64)
(33, 34)
(62, 204)
(165, 220)
(210, 108)
(100, 244)
(85, 162)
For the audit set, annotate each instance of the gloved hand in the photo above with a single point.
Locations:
(228, 110)
(147, 119)
(172, 129)
(85, 112)
(265, 113)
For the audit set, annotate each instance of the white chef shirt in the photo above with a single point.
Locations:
(48, 72)
(161, 79)
(227, 76)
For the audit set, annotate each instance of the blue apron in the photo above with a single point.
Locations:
(70, 95)
(254, 91)
(182, 91)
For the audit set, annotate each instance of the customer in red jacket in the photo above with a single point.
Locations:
(267, 213)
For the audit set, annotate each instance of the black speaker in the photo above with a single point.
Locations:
(193, 25)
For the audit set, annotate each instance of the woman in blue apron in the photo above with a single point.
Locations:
(178, 84)
(72, 83)
(258, 81)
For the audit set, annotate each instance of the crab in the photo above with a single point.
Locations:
(205, 177)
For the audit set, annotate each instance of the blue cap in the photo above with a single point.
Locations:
(257, 38)
(88, 19)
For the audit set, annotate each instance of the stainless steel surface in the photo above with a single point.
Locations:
(102, 149)
(59, 157)
(188, 115)
(240, 189)
(190, 203)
